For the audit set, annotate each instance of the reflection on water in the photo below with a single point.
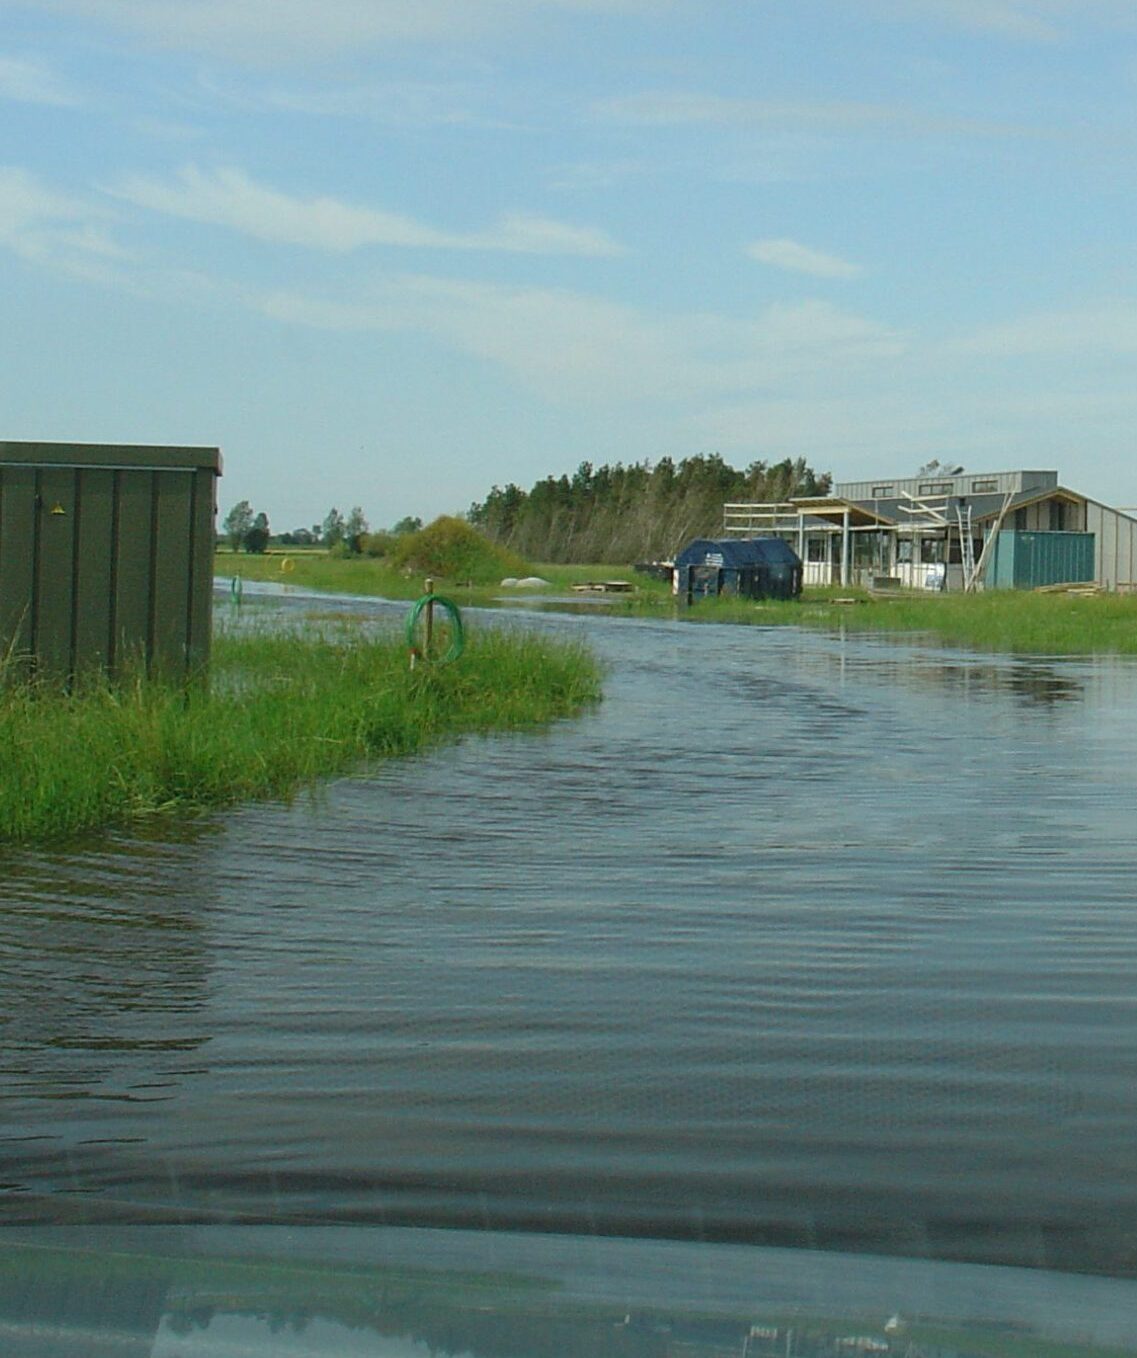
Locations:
(796, 940)
(965, 676)
(390, 1293)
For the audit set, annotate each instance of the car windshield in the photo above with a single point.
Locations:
(567, 631)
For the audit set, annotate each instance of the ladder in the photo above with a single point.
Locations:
(966, 543)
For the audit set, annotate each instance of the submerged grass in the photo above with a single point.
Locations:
(281, 711)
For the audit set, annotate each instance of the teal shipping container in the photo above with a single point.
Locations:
(106, 558)
(1025, 560)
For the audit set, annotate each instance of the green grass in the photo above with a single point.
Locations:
(377, 578)
(281, 711)
(317, 570)
(996, 620)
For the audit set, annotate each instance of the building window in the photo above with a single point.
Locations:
(881, 492)
(903, 551)
(936, 487)
(815, 549)
(984, 485)
(1020, 520)
(931, 551)
(1057, 516)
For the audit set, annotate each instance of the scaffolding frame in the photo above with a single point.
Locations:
(830, 515)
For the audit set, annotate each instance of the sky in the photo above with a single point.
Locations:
(392, 253)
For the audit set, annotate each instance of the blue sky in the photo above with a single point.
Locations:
(391, 254)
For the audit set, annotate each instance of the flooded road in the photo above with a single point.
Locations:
(795, 940)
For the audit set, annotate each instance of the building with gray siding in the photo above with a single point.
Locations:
(951, 530)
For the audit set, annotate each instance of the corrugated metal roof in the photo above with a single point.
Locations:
(950, 482)
(983, 507)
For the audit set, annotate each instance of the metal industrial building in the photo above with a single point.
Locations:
(951, 530)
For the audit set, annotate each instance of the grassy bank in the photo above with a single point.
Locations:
(318, 570)
(280, 712)
(999, 620)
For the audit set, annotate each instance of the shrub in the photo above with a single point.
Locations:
(377, 544)
(451, 548)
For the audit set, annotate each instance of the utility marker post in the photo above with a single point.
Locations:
(420, 628)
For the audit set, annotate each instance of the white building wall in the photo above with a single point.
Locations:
(1115, 546)
(1036, 517)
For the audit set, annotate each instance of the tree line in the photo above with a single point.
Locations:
(248, 530)
(638, 512)
(617, 513)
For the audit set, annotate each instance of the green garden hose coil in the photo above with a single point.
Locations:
(457, 636)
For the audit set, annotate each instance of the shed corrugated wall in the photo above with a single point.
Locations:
(106, 554)
(1025, 560)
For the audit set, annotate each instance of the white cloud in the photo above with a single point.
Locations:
(1107, 327)
(668, 108)
(30, 82)
(394, 103)
(789, 255)
(687, 108)
(1012, 20)
(229, 197)
(1023, 20)
(50, 228)
(570, 346)
(523, 233)
(260, 30)
(168, 130)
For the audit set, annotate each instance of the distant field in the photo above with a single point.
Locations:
(368, 575)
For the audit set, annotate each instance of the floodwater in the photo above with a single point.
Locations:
(797, 939)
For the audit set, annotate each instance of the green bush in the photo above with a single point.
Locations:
(377, 544)
(451, 549)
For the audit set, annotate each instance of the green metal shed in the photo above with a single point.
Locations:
(106, 556)
(1025, 560)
